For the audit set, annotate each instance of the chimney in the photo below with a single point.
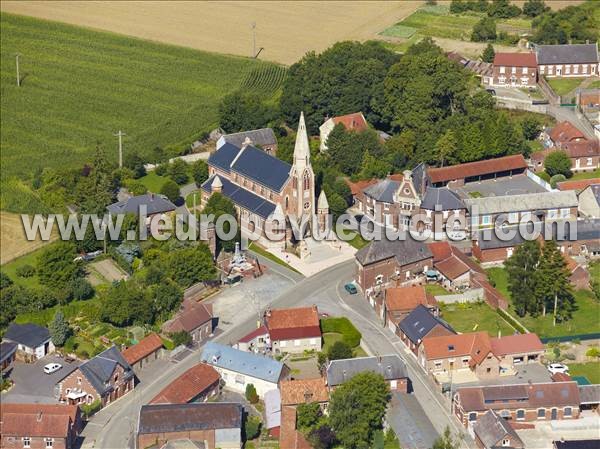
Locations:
(247, 141)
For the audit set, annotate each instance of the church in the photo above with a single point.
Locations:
(262, 186)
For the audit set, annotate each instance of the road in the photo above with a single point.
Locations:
(112, 427)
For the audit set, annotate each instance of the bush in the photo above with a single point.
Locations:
(251, 394)
(484, 30)
(170, 189)
(593, 352)
(180, 338)
(178, 171)
(252, 427)
(161, 170)
(90, 409)
(25, 271)
(82, 289)
(339, 350)
(558, 163)
(556, 179)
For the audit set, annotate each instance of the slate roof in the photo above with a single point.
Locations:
(99, 369)
(242, 197)
(28, 334)
(442, 196)
(420, 178)
(418, 323)
(155, 204)
(163, 418)
(383, 191)
(404, 251)
(523, 202)
(7, 348)
(589, 394)
(491, 429)
(224, 156)
(242, 362)
(263, 136)
(37, 420)
(390, 366)
(567, 54)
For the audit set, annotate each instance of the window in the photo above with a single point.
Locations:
(567, 412)
(542, 67)
(296, 342)
(506, 442)
(49, 442)
(502, 69)
(552, 213)
(465, 361)
(472, 416)
(306, 181)
(437, 364)
(79, 381)
(26, 442)
(541, 413)
(564, 213)
(486, 220)
(589, 161)
(514, 70)
(584, 68)
(576, 69)
(524, 70)
(283, 343)
(567, 69)
(520, 415)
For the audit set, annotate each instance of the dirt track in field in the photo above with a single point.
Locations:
(286, 30)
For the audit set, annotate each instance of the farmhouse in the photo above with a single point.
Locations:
(419, 324)
(572, 60)
(493, 432)
(33, 341)
(584, 155)
(239, 368)
(104, 378)
(197, 384)
(518, 349)
(514, 70)
(147, 349)
(391, 367)
(39, 426)
(352, 122)
(294, 330)
(205, 425)
(522, 402)
(150, 203)
(263, 138)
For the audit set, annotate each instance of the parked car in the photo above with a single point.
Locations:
(351, 288)
(52, 368)
(558, 368)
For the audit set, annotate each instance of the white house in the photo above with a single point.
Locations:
(33, 341)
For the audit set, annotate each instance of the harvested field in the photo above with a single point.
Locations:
(108, 270)
(286, 30)
(12, 238)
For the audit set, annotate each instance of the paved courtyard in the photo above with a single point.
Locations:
(517, 185)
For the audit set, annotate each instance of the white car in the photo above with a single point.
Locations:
(558, 368)
(52, 368)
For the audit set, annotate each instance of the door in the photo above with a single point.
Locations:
(558, 71)
(554, 414)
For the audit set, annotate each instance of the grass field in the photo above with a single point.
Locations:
(562, 86)
(11, 269)
(471, 317)
(81, 86)
(153, 182)
(591, 370)
(586, 175)
(12, 238)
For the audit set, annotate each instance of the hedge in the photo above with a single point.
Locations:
(342, 325)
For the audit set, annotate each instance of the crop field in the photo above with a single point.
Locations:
(12, 238)
(80, 86)
(265, 80)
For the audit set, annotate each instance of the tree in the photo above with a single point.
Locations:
(251, 394)
(488, 53)
(321, 437)
(554, 288)
(5, 281)
(252, 427)
(308, 415)
(372, 167)
(181, 338)
(55, 266)
(95, 190)
(241, 111)
(446, 441)
(554, 180)
(533, 8)
(558, 162)
(134, 162)
(503, 9)
(171, 190)
(81, 289)
(200, 172)
(339, 350)
(59, 329)
(400, 148)
(531, 128)
(522, 279)
(484, 30)
(575, 24)
(218, 204)
(166, 297)
(126, 303)
(188, 266)
(178, 171)
(446, 147)
(357, 409)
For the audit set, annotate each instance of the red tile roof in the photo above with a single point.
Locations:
(355, 121)
(191, 316)
(581, 148)
(188, 386)
(475, 344)
(289, 437)
(479, 168)
(565, 132)
(577, 185)
(37, 420)
(144, 348)
(359, 186)
(440, 250)
(407, 298)
(300, 391)
(452, 268)
(561, 377)
(515, 59)
(516, 344)
(287, 324)
(262, 330)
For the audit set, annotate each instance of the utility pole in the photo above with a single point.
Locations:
(253, 25)
(120, 135)
(18, 75)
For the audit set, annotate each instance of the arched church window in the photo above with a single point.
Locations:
(287, 202)
(306, 180)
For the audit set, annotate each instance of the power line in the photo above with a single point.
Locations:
(120, 135)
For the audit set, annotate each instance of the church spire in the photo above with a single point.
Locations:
(301, 149)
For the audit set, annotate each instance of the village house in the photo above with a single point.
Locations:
(256, 341)
(589, 201)
(147, 349)
(356, 190)
(444, 211)
(239, 368)
(421, 323)
(8, 354)
(569, 60)
(518, 349)
(304, 391)
(391, 367)
(33, 341)
(264, 189)
(493, 432)
(398, 302)
(194, 318)
(294, 330)
(39, 426)
(454, 268)
(514, 70)
(584, 155)
(104, 378)
(197, 384)
(383, 263)
(563, 132)
(520, 403)
(352, 122)
(203, 425)
(589, 397)
(155, 205)
(578, 185)
(263, 139)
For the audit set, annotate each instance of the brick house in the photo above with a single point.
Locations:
(104, 378)
(569, 60)
(391, 367)
(443, 210)
(294, 330)
(352, 122)
(518, 349)
(514, 70)
(39, 426)
(493, 432)
(214, 425)
(263, 138)
(304, 391)
(197, 384)
(421, 323)
(384, 263)
(518, 403)
(398, 302)
(33, 341)
(147, 349)
(194, 318)
(584, 155)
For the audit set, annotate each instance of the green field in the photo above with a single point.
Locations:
(586, 175)
(81, 86)
(153, 182)
(472, 317)
(590, 370)
(562, 86)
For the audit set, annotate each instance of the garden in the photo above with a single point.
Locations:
(341, 330)
(475, 317)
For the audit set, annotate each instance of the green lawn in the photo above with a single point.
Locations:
(153, 182)
(436, 289)
(471, 317)
(28, 259)
(586, 175)
(562, 86)
(594, 85)
(193, 198)
(266, 254)
(590, 370)
(80, 86)
(345, 332)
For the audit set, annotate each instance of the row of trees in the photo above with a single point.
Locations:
(501, 9)
(539, 281)
(575, 24)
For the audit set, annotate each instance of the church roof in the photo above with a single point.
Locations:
(323, 203)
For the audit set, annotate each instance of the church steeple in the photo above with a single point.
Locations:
(301, 148)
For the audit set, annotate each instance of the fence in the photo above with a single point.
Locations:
(535, 178)
(472, 295)
(550, 94)
(563, 338)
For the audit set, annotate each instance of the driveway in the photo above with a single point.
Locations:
(410, 423)
(33, 385)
